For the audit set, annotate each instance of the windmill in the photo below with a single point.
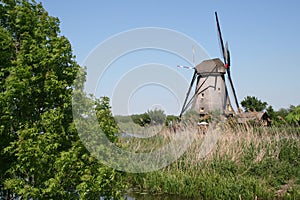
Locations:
(211, 93)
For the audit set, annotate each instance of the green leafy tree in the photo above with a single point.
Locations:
(41, 154)
(157, 116)
(282, 112)
(171, 120)
(106, 121)
(7, 53)
(276, 120)
(294, 116)
(141, 119)
(251, 103)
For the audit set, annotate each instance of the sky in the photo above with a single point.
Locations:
(263, 39)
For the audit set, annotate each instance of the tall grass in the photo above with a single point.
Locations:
(244, 163)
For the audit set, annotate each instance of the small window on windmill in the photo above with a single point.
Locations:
(219, 89)
(201, 109)
(202, 95)
(229, 108)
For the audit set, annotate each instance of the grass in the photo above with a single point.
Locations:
(245, 163)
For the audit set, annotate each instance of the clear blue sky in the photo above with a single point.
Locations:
(264, 36)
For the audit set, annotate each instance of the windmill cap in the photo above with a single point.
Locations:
(211, 66)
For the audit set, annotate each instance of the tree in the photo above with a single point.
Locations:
(157, 116)
(141, 119)
(41, 154)
(7, 53)
(171, 120)
(283, 112)
(276, 116)
(106, 120)
(251, 103)
(294, 116)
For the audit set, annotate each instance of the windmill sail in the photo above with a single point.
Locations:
(226, 57)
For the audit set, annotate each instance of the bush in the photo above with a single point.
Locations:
(141, 119)
(157, 116)
(171, 119)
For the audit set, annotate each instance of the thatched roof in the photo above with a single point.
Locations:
(255, 116)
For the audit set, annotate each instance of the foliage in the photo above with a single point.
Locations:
(271, 112)
(153, 117)
(122, 119)
(141, 119)
(284, 116)
(252, 163)
(283, 112)
(106, 120)
(157, 116)
(190, 115)
(294, 116)
(251, 103)
(41, 154)
(171, 120)
(276, 117)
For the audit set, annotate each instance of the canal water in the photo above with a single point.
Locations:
(146, 196)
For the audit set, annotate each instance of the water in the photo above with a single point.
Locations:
(146, 196)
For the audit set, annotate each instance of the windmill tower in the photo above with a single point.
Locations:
(211, 93)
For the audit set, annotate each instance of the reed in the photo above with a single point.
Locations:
(244, 163)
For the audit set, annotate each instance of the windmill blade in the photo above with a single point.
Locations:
(185, 67)
(229, 75)
(188, 93)
(220, 38)
(228, 58)
(227, 54)
(232, 88)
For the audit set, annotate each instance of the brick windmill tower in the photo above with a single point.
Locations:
(211, 93)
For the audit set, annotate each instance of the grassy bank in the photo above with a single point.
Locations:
(250, 163)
